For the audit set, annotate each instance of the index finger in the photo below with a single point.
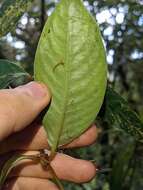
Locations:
(34, 138)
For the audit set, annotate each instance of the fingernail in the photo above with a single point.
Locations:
(35, 89)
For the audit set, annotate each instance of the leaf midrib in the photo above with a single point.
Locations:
(67, 76)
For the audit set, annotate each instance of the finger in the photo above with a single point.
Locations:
(19, 106)
(24, 183)
(86, 139)
(66, 168)
(35, 138)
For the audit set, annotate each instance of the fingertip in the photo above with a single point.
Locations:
(87, 172)
(90, 135)
(74, 170)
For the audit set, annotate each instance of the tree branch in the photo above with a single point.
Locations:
(42, 14)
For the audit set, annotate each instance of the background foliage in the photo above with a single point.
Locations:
(121, 24)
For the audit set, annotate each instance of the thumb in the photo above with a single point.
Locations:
(20, 106)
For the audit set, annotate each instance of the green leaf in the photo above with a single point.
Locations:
(118, 113)
(10, 13)
(70, 59)
(11, 163)
(121, 166)
(12, 74)
(40, 158)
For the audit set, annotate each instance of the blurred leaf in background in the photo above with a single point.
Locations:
(12, 75)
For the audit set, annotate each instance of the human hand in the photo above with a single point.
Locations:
(19, 131)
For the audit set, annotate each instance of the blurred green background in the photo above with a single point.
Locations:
(121, 24)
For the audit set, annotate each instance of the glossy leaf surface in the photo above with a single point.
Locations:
(70, 59)
(12, 75)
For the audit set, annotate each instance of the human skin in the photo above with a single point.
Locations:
(21, 131)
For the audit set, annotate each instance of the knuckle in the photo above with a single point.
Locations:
(7, 110)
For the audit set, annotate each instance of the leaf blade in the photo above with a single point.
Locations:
(118, 113)
(11, 163)
(75, 71)
(9, 17)
(12, 74)
(121, 166)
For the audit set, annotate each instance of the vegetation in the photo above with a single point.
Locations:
(121, 23)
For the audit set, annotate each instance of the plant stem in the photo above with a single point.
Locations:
(45, 161)
(52, 155)
(41, 158)
(42, 14)
(57, 181)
